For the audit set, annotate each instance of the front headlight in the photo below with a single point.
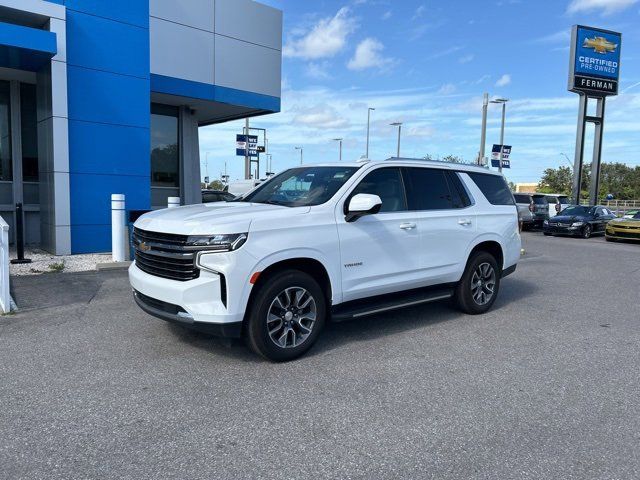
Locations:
(577, 224)
(546, 222)
(217, 243)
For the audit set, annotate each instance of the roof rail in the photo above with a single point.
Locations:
(434, 162)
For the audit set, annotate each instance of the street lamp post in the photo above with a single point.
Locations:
(369, 110)
(399, 125)
(502, 101)
(483, 135)
(301, 150)
(339, 140)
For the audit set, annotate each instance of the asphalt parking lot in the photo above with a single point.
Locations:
(546, 385)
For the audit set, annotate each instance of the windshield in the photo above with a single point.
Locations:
(301, 187)
(575, 210)
(539, 200)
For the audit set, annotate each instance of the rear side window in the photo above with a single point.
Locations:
(493, 187)
(427, 189)
(522, 198)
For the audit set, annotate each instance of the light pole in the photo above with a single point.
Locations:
(483, 135)
(269, 162)
(369, 110)
(339, 140)
(502, 101)
(301, 150)
(399, 125)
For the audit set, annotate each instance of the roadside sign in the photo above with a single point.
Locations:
(241, 145)
(206, 179)
(261, 149)
(506, 155)
(594, 66)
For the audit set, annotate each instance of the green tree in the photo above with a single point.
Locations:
(216, 185)
(452, 159)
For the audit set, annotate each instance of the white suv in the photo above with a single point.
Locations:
(320, 242)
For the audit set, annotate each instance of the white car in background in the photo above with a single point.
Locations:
(335, 241)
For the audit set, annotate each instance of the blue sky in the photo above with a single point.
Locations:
(427, 64)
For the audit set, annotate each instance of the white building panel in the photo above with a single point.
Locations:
(245, 66)
(181, 52)
(192, 13)
(249, 21)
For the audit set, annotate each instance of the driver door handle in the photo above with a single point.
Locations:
(464, 222)
(407, 226)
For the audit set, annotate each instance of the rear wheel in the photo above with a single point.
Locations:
(286, 316)
(479, 285)
(586, 231)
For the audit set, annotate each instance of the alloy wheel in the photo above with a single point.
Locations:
(586, 232)
(483, 283)
(291, 317)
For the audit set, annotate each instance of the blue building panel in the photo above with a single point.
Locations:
(100, 148)
(107, 45)
(104, 97)
(25, 48)
(134, 12)
(90, 239)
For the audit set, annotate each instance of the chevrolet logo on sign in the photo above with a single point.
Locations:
(600, 45)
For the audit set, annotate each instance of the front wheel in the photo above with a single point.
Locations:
(586, 231)
(286, 316)
(479, 285)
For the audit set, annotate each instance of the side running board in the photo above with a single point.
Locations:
(385, 303)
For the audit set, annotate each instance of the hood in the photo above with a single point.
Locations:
(568, 218)
(626, 221)
(213, 218)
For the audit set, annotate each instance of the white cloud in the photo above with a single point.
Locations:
(420, 11)
(368, 54)
(606, 7)
(447, 89)
(504, 80)
(327, 38)
(386, 15)
(466, 58)
(321, 116)
(319, 71)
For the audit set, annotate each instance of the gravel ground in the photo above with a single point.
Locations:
(544, 386)
(44, 262)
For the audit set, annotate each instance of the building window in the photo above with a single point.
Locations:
(6, 172)
(29, 127)
(165, 156)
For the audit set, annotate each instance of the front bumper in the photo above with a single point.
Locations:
(202, 300)
(623, 233)
(177, 315)
(562, 230)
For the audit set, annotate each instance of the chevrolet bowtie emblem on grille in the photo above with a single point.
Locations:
(144, 247)
(600, 45)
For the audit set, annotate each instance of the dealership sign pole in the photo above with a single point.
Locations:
(594, 71)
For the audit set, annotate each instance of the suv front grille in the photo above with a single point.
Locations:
(164, 255)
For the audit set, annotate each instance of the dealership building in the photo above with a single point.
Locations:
(106, 96)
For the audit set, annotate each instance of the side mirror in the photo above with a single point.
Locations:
(363, 204)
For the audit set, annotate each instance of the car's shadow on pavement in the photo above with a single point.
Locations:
(335, 335)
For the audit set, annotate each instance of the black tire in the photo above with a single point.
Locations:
(276, 291)
(547, 234)
(463, 297)
(587, 231)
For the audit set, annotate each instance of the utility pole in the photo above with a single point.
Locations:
(301, 152)
(399, 125)
(483, 135)
(502, 101)
(247, 159)
(340, 141)
(369, 110)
